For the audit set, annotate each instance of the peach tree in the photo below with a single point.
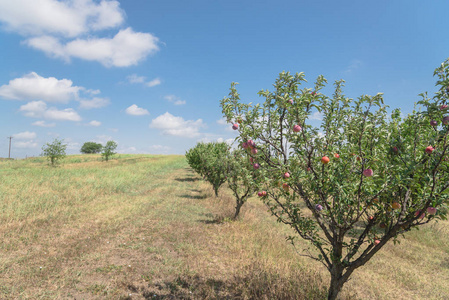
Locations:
(238, 168)
(348, 176)
(207, 160)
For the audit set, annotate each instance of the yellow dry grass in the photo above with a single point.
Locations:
(146, 227)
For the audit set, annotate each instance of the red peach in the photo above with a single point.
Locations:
(325, 160)
(286, 175)
(418, 213)
(254, 151)
(296, 128)
(429, 149)
(433, 123)
(235, 126)
(368, 172)
(336, 155)
(431, 210)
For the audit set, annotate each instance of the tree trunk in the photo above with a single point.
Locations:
(237, 208)
(335, 287)
(216, 191)
(337, 279)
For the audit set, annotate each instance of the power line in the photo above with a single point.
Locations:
(9, 154)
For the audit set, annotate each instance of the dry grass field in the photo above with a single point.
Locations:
(147, 227)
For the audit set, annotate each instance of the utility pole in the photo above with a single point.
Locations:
(9, 154)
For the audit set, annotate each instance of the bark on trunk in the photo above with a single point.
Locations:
(237, 209)
(337, 280)
(335, 287)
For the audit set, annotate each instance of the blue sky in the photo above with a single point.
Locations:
(149, 74)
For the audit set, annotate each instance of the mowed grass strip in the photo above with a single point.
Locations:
(146, 227)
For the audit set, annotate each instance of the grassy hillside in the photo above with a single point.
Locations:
(146, 227)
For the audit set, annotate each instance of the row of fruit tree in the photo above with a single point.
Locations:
(362, 167)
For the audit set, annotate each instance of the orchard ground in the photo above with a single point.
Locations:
(144, 226)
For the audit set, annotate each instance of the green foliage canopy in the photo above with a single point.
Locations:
(91, 147)
(209, 160)
(54, 151)
(108, 150)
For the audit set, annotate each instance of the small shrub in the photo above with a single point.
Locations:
(54, 151)
(108, 150)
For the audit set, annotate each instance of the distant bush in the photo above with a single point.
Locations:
(54, 151)
(108, 150)
(91, 147)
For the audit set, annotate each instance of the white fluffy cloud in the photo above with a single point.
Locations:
(94, 123)
(66, 29)
(134, 110)
(177, 126)
(175, 100)
(154, 82)
(94, 103)
(38, 109)
(43, 124)
(35, 87)
(141, 79)
(25, 144)
(68, 18)
(125, 49)
(25, 139)
(136, 79)
(26, 135)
